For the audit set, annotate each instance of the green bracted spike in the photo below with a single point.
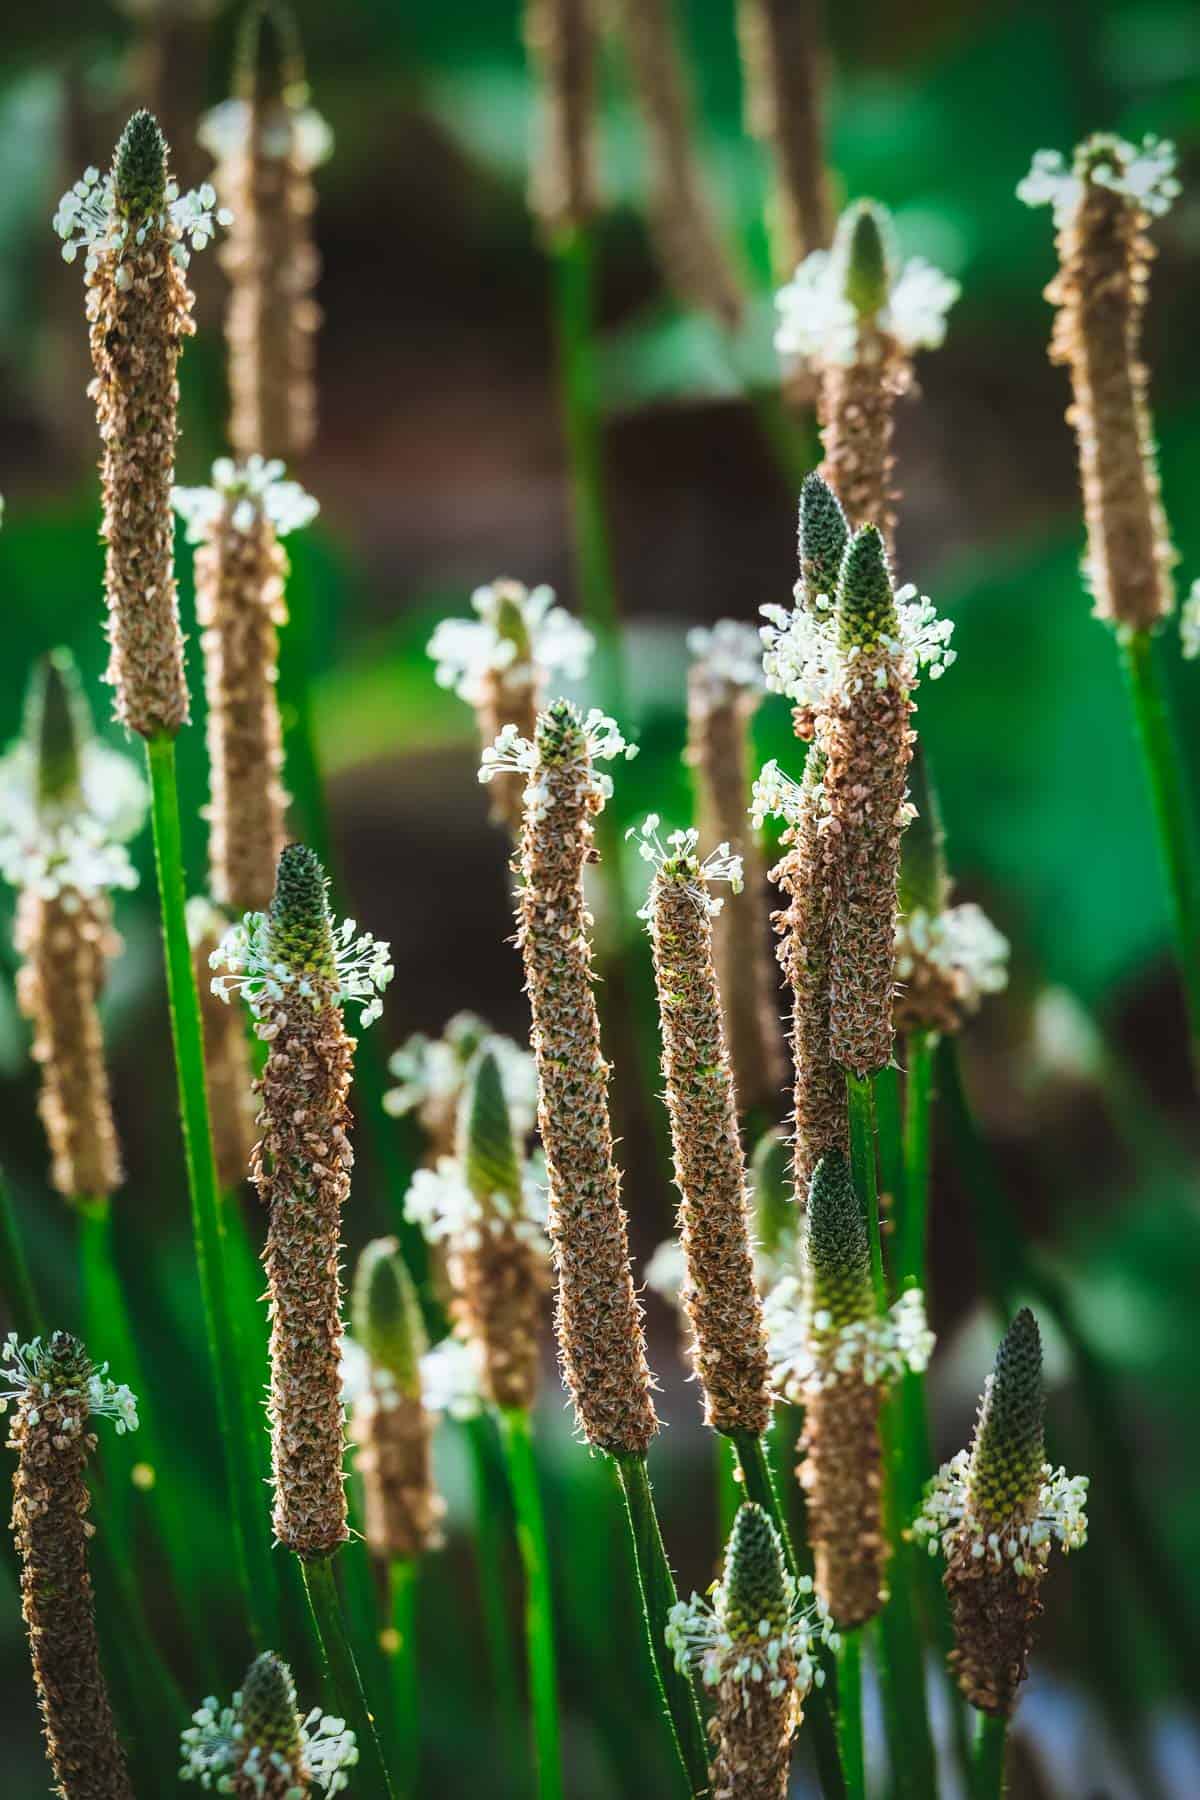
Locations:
(1009, 1448)
(464, 1033)
(267, 1713)
(866, 611)
(63, 1364)
(300, 930)
(864, 231)
(755, 1578)
(837, 1250)
(770, 1179)
(824, 534)
(140, 167)
(269, 60)
(511, 626)
(485, 1135)
(559, 733)
(386, 1315)
(57, 727)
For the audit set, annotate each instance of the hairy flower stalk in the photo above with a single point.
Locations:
(682, 222)
(68, 804)
(995, 1513)
(240, 564)
(133, 225)
(500, 663)
(58, 1389)
(560, 36)
(259, 1747)
(296, 969)
(756, 1642)
(267, 141)
(853, 316)
(725, 684)
(1102, 207)
(719, 1294)
(833, 1353)
(389, 1423)
(783, 64)
(598, 1318)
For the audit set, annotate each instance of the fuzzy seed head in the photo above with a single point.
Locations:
(299, 923)
(268, 1708)
(755, 1577)
(57, 727)
(867, 272)
(866, 609)
(824, 535)
(387, 1315)
(837, 1251)
(140, 167)
(1009, 1449)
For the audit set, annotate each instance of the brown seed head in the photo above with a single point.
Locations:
(560, 36)
(784, 63)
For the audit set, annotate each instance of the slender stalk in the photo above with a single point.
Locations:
(402, 1658)
(247, 1511)
(347, 1684)
(657, 1586)
(491, 1545)
(849, 1715)
(860, 1104)
(1172, 815)
(515, 1431)
(913, 1229)
(891, 1138)
(729, 1490)
(16, 1284)
(987, 1758)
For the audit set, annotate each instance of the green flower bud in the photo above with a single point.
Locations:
(866, 611)
(863, 231)
(1009, 1449)
(755, 1579)
(560, 734)
(57, 727)
(140, 168)
(386, 1315)
(268, 1710)
(511, 624)
(486, 1148)
(824, 534)
(299, 924)
(837, 1250)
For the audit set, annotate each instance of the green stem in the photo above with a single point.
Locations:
(515, 1431)
(987, 1758)
(16, 1285)
(402, 1659)
(729, 1489)
(860, 1104)
(350, 1696)
(891, 1140)
(492, 1547)
(849, 1716)
(251, 1546)
(913, 1229)
(1172, 816)
(657, 1587)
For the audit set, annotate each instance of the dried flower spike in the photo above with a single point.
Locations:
(267, 141)
(236, 525)
(1102, 208)
(259, 1746)
(431, 1075)
(560, 37)
(296, 970)
(756, 1643)
(390, 1424)
(58, 1389)
(598, 1319)
(719, 1294)
(725, 684)
(133, 225)
(227, 1070)
(783, 62)
(995, 1513)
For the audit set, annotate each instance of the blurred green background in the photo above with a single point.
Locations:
(440, 465)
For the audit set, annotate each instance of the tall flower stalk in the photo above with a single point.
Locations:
(1103, 205)
(58, 1390)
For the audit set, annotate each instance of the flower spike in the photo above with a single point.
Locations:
(259, 1744)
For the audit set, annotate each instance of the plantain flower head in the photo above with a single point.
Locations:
(59, 1368)
(386, 1318)
(251, 490)
(431, 1076)
(115, 212)
(678, 863)
(1144, 174)
(728, 655)
(519, 637)
(259, 1741)
(947, 962)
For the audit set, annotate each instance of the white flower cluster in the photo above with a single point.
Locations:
(432, 1071)
(70, 849)
(26, 1369)
(698, 1632)
(730, 652)
(1060, 1516)
(1144, 173)
(441, 1203)
(363, 969)
(1189, 623)
(255, 488)
(517, 755)
(961, 942)
(801, 657)
(299, 132)
(804, 1353)
(217, 1756)
(468, 651)
(818, 322)
(774, 795)
(680, 848)
(666, 1271)
(452, 1379)
(88, 219)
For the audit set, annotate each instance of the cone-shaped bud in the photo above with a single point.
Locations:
(1009, 1449)
(862, 229)
(755, 1577)
(770, 1180)
(824, 535)
(56, 728)
(486, 1148)
(836, 1246)
(140, 167)
(560, 733)
(866, 610)
(268, 1709)
(299, 924)
(387, 1316)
